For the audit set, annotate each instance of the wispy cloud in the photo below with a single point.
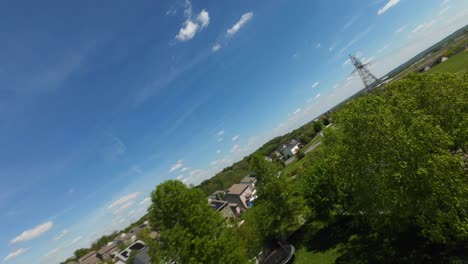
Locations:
(124, 207)
(33, 233)
(235, 148)
(445, 9)
(315, 84)
(216, 47)
(386, 7)
(74, 241)
(218, 151)
(236, 137)
(444, 2)
(297, 111)
(242, 21)
(401, 29)
(318, 45)
(184, 169)
(190, 27)
(220, 132)
(123, 200)
(355, 39)
(145, 201)
(61, 235)
(176, 166)
(52, 252)
(15, 254)
(220, 139)
(350, 22)
(423, 27)
(317, 96)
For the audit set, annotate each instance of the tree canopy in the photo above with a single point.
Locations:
(399, 159)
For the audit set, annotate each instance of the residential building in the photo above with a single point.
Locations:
(123, 255)
(108, 251)
(223, 207)
(90, 258)
(239, 194)
(291, 148)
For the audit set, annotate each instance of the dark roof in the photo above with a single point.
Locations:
(238, 188)
(142, 257)
(218, 204)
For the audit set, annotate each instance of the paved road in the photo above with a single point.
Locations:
(312, 147)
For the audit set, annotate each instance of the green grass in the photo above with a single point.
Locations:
(456, 64)
(303, 256)
(316, 139)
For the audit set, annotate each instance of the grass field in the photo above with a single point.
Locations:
(456, 64)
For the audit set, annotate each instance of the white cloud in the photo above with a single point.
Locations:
(235, 148)
(444, 2)
(15, 254)
(220, 132)
(218, 151)
(401, 29)
(190, 27)
(216, 47)
(124, 200)
(318, 45)
(348, 61)
(297, 111)
(236, 137)
(176, 166)
(74, 241)
(61, 235)
(315, 84)
(214, 162)
(355, 39)
(441, 12)
(350, 22)
(33, 233)
(184, 169)
(242, 21)
(317, 96)
(187, 31)
(52, 252)
(71, 190)
(124, 207)
(203, 18)
(220, 139)
(423, 27)
(390, 4)
(382, 49)
(147, 199)
(187, 179)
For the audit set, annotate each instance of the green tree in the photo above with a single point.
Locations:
(318, 125)
(280, 207)
(190, 231)
(399, 159)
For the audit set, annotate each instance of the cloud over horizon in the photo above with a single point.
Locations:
(33, 233)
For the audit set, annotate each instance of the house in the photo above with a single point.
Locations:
(291, 148)
(124, 239)
(239, 194)
(137, 246)
(217, 195)
(107, 252)
(249, 179)
(223, 207)
(90, 258)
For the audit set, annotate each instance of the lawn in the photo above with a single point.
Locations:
(456, 64)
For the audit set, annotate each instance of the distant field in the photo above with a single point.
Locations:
(456, 64)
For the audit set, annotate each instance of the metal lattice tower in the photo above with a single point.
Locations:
(367, 77)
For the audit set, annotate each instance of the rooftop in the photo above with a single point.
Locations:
(238, 188)
(218, 204)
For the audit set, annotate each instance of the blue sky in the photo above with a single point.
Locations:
(102, 100)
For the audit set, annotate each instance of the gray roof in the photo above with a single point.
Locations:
(218, 204)
(238, 188)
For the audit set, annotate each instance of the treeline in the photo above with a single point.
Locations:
(233, 174)
(392, 175)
